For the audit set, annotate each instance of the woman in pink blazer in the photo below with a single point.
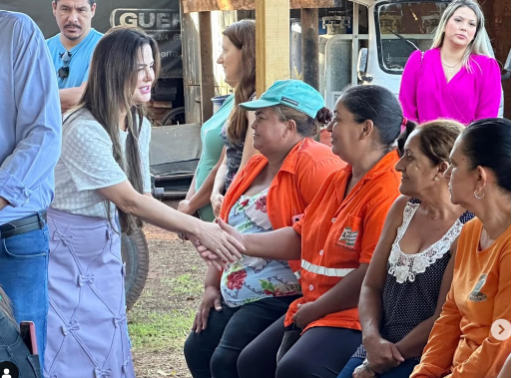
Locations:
(457, 78)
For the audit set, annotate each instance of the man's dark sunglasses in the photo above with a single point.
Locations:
(63, 72)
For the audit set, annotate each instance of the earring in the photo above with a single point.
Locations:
(436, 178)
(479, 197)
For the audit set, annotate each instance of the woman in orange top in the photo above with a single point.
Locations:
(272, 190)
(466, 341)
(337, 236)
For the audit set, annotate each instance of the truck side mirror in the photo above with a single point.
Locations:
(362, 63)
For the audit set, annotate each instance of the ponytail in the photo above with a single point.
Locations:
(324, 116)
(410, 126)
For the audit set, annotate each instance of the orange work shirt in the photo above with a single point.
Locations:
(339, 233)
(461, 344)
(302, 174)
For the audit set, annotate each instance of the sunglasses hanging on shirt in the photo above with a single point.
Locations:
(63, 72)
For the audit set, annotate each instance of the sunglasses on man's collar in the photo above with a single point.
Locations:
(63, 72)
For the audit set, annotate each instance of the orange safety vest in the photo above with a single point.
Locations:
(340, 233)
(302, 174)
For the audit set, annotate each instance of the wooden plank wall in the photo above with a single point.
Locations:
(211, 5)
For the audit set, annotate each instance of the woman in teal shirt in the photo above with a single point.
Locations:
(202, 184)
(212, 156)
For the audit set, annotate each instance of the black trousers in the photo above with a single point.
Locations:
(321, 352)
(214, 352)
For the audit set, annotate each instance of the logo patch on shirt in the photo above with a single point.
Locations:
(476, 295)
(348, 237)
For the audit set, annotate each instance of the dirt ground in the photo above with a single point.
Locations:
(160, 321)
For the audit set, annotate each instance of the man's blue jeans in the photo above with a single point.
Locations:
(24, 277)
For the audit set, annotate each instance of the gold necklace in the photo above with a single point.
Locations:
(450, 69)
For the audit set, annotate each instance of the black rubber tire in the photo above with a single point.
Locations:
(135, 253)
(174, 117)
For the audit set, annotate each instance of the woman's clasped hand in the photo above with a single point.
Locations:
(223, 233)
(221, 244)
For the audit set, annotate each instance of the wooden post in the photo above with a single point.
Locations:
(272, 42)
(310, 66)
(207, 80)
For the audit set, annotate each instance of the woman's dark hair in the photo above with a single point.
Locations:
(242, 35)
(409, 128)
(112, 81)
(377, 104)
(486, 143)
(306, 126)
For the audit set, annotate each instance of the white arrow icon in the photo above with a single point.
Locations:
(501, 329)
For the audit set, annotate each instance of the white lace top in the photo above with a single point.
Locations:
(404, 267)
(413, 282)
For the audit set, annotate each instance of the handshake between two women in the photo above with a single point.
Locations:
(219, 245)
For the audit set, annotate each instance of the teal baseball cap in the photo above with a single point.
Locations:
(292, 93)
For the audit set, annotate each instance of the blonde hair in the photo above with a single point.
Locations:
(480, 45)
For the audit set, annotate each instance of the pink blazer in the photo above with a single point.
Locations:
(425, 94)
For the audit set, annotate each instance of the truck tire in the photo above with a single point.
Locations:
(135, 254)
(174, 117)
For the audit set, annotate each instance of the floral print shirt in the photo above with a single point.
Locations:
(254, 278)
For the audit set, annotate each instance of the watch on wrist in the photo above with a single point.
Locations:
(366, 366)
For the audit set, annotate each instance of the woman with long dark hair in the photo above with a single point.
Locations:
(239, 62)
(102, 175)
(237, 59)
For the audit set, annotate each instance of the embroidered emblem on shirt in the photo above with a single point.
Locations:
(476, 295)
(348, 237)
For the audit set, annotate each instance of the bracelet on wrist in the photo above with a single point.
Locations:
(367, 368)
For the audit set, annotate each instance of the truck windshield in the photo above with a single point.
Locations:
(414, 21)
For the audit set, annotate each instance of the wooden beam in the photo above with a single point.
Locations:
(212, 5)
(310, 57)
(207, 79)
(272, 43)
